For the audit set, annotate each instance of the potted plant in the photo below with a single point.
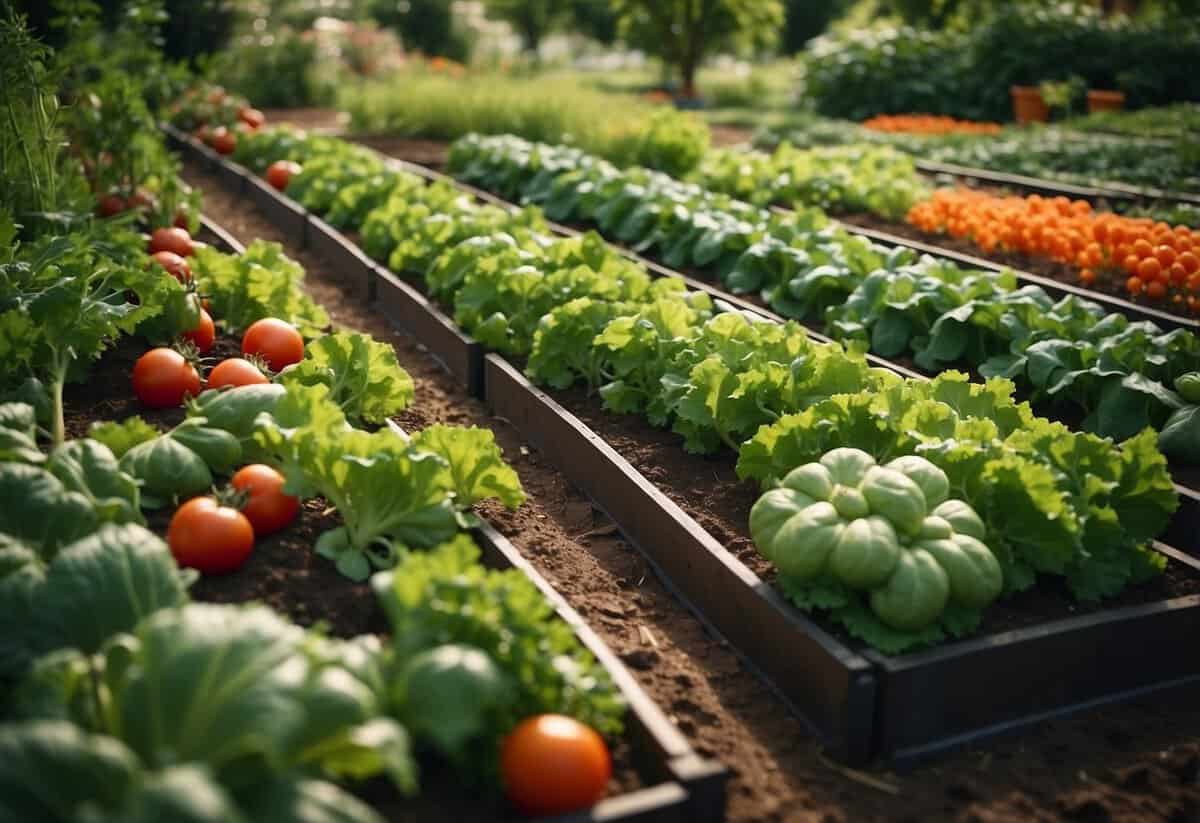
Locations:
(1105, 100)
(1028, 105)
(1064, 98)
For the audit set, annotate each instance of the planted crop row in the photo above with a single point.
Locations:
(1047, 153)
(1155, 261)
(87, 590)
(1116, 376)
(721, 379)
(876, 179)
(122, 698)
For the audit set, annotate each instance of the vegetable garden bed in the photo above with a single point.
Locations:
(1083, 637)
(661, 777)
(1098, 194)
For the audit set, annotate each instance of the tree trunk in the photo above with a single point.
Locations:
(687, 78)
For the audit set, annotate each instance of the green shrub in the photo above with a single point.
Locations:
(276, 69)
(968, 73)
(434, 104)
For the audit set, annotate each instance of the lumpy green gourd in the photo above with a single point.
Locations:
(888, 531)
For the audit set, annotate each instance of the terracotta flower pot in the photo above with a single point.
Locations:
(1103, 100)
(1028, 105)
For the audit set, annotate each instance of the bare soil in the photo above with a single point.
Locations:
(1139, 762)
(328, 121)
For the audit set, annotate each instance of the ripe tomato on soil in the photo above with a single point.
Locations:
(267, 508)
(276, 341)
(209, 537)
(172, 239)
(235, 372)
(552, 764)
(204, 335)
(280, 173)
(163, 377)
(175, 265)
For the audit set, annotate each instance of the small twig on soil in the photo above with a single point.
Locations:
(599, 531)
(860, 777)
(647, 637)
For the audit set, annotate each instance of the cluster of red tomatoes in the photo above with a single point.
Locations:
(216, 534)
(222, 139)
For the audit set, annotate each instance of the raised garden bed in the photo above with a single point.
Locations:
(904, 725)
(670, 781)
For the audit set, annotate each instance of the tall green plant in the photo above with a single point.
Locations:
(30, 145)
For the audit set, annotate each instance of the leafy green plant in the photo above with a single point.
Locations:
(392, 493)
(297, 709)
(838, 179)
(1070, 355)
(177, 464)
(90, 589)
(1054, 501)
(261, 282)
(362, 375)
(537, 664)
(64, 301)
(883, 547)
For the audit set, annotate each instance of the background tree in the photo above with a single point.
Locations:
(426, 26)
(806, 19)
(191, 28)
(531, 19)
(684, 32)
(594, 19)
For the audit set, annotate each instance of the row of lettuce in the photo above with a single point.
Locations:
(1069, 356)
(1061, 153)
(123, 699)
(1006, 496)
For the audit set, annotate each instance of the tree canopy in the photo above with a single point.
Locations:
(684, 32)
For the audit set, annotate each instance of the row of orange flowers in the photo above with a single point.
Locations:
(928, 124)
(1156, 259)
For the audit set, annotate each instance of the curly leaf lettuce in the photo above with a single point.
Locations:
(362, 374)
(261, 282)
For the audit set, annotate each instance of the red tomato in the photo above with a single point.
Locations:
(222, 140)
(552, 764)
(175, 265)
(111, 205)
(280, 173)
(275, 341)
(204, 335)
(207, 536)
(141, 199)
(235, 371)
(268, 509)
(182, 221)
(174, 239)
(163, 377)
(251, 117)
